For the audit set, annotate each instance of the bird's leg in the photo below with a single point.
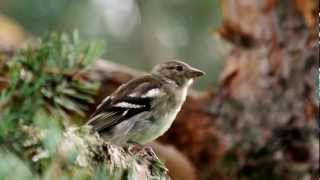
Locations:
(135, 147)
(154, 158)
(150, 152)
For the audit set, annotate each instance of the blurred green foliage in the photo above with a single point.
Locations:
(139, 33)
(47, 89)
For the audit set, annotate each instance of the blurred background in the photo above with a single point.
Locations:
(138, 33)
(254, 114)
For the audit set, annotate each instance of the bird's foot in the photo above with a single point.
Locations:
(135, 148)
(150, 152)
(152, 157)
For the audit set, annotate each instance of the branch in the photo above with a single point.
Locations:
(92, 151)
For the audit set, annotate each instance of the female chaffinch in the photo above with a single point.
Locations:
(142, 109)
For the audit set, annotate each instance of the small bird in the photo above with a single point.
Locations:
(144, 108)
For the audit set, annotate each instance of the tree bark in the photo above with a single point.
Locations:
(266, 100)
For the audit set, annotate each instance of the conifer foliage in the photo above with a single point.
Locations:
(45, 91)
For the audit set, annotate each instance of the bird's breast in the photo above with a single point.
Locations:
(156, 126)
(161, 120)
(168, 112)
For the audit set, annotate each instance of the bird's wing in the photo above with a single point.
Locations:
(128, 100)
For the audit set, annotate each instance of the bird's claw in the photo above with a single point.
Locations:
(147, 150)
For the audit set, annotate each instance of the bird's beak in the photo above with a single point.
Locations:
(193, 73)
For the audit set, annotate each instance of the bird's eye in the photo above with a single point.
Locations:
(179, 68)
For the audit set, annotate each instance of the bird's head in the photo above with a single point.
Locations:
(179, 72)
